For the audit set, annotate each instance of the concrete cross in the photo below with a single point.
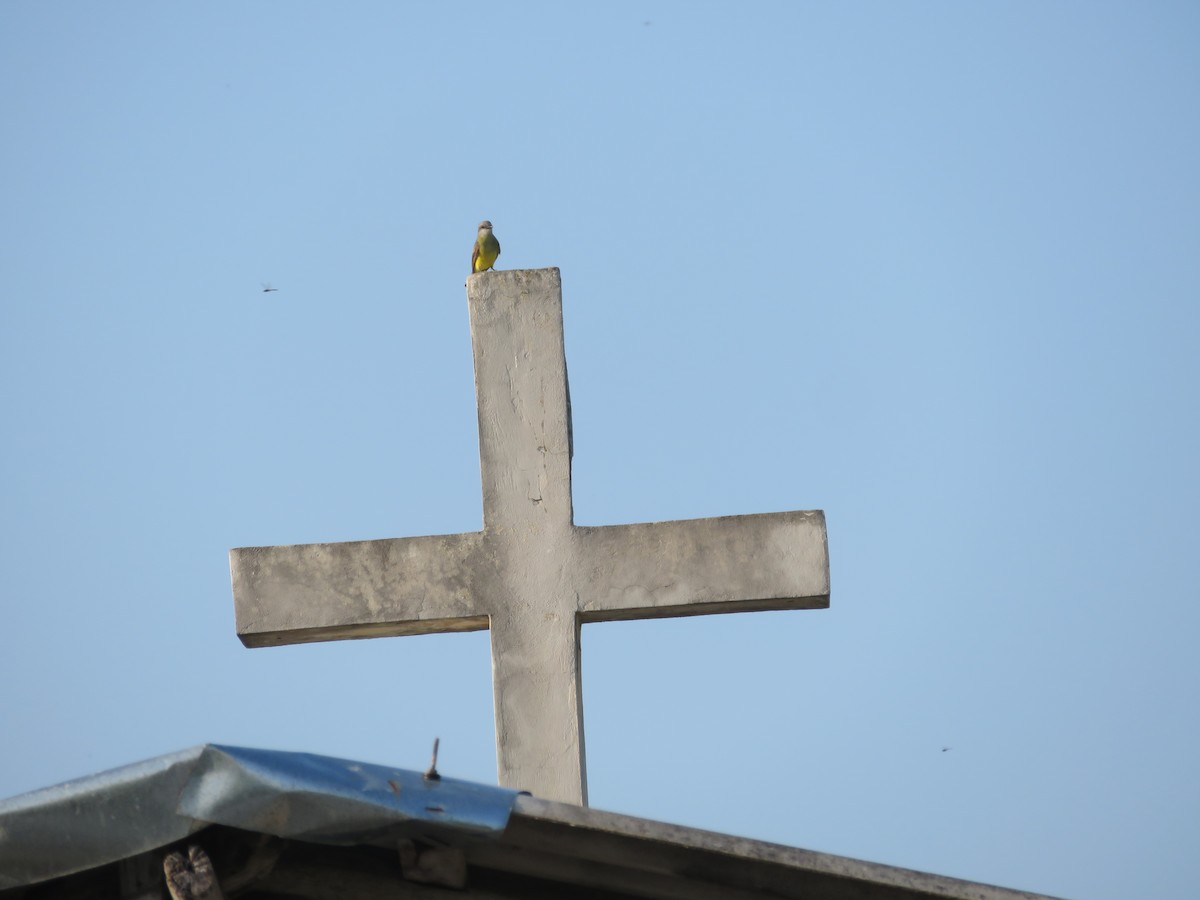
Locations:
(531, 575)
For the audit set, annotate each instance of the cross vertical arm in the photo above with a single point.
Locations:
(525, 466)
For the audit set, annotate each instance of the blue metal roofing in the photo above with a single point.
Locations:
(102, 818)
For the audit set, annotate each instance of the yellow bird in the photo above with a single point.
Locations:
(487, 248)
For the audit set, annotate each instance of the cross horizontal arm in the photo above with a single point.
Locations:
(319, 592)
(700, 566)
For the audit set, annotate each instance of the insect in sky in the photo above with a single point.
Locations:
(266, 286)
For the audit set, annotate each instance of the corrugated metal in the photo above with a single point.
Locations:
(117, 814)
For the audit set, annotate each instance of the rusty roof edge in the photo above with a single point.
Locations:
(586, 821)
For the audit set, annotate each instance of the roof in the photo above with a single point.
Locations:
(281, 824)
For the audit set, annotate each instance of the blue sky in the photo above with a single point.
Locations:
(929, 267)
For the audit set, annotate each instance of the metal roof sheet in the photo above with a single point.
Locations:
(88, 822)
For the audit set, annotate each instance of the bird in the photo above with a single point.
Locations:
(191, 877)
(487, 248)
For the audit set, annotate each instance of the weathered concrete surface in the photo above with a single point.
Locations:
(531, 575)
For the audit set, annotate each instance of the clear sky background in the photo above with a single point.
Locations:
(932, 268)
